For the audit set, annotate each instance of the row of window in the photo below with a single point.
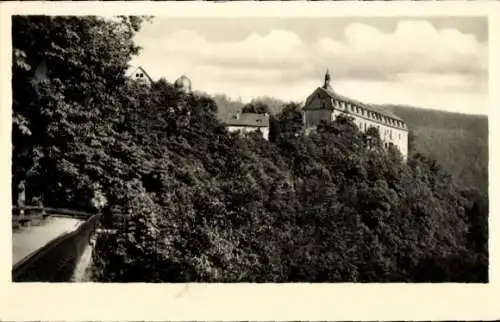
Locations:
(387, 132)
(365, 113)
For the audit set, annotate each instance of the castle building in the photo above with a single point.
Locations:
(249, 122)
(324, 104)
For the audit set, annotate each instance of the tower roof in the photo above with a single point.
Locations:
(327, 85)
(183, 82)
(327, 75)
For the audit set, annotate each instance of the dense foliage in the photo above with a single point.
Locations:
(459, 142)
(191, 202)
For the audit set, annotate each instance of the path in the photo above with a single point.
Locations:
(29, 239)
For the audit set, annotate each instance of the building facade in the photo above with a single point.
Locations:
(249, 122)
(324, 104)
(140, 75)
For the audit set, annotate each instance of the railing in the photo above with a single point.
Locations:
(56, 261)
(21, 215)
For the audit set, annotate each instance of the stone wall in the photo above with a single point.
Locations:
(56, 261)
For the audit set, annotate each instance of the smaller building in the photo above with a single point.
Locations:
(140, 75)
(249, 122)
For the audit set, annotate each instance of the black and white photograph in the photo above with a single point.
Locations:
(154, 149)
(265, 161)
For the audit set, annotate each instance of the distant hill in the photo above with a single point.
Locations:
(459, 142)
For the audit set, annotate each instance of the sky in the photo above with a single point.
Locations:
(432, 62)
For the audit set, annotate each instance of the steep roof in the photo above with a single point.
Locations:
(369, 107)
(140, 69)
(248, 119)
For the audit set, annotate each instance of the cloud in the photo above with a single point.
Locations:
(415, 46)
(450, 81)
(414, 58)
(278, 47)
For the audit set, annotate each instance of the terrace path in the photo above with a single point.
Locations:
(29, 239)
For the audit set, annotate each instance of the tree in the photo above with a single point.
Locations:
(68, 84)
(411, 141)
(290, 120)
(255, 107)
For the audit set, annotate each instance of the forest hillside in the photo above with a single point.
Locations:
(458, 141)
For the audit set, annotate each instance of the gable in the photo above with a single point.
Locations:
(318, 100)
(140, 74)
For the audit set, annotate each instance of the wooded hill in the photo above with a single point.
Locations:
(193, 203)
(459, 142)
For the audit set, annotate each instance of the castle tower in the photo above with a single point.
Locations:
(183, 83)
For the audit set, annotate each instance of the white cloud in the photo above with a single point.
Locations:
(413, 46)
(277, 46)
(450, 82)
(416, 64)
